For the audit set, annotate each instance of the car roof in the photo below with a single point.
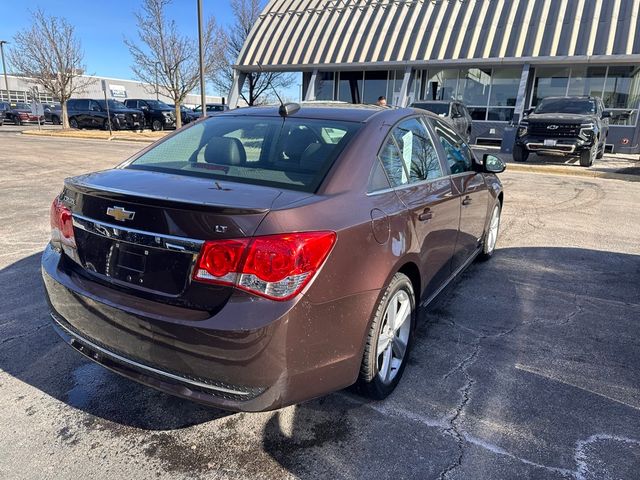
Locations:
(421, 102)
(570, 97)
(321, 110)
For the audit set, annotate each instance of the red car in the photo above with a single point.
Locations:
(21, 113)
(266, 256)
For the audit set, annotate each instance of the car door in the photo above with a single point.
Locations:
(470, 189)
(96, 116)
(417, 173)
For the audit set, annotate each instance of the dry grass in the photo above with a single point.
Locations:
(145, 136)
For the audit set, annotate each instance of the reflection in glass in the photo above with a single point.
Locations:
(350, 87)
(375, 85)
(473, 87)
(325, 86)
(587, 81)
(550, 82)
(440, 85)
(504, 87)
(622, 89)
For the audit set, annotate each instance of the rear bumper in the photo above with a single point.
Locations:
(253, 355)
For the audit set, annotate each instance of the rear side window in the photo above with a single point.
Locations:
(294, 153)
(409, 155)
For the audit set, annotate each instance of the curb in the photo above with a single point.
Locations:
(570, 171)
(34, 133)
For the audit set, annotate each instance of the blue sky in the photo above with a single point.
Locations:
(102, 25)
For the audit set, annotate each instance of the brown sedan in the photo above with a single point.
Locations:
(266, 256)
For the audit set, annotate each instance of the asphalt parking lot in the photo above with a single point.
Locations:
(527, 367)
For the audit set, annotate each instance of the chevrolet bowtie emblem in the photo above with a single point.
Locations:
(552, 127)
(120, 213)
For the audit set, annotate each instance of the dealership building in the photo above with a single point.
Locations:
(21, 88)
(499, 57)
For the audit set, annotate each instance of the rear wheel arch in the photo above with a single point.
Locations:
(411, 270)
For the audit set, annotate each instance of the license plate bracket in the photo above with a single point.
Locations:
(130, 263)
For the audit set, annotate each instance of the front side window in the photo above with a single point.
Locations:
(292, 153)
(458, 154)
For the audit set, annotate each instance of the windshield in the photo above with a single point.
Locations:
(157, 104)
(22, 106)
(437, 108)
(566, 105)
(113, 105)
(289, 153)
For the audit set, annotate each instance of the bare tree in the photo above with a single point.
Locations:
(50, 54)
(256, 86)
(175, 55)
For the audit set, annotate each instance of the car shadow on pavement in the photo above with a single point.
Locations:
(526, 367)
(31, 351)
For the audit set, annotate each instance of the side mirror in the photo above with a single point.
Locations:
(528, 111)
(456, 115)
(492, 164)
(606, 114)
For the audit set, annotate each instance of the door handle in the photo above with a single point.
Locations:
(466, 201)
(426, 215)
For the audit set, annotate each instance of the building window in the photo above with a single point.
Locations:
(350, 86)
(618, 86)
(325, 86)
(375, 85)
(550, 82)
(489, 94)
(474, 85)
(587, 81)
(439, 85)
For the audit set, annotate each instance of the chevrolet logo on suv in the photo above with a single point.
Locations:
(120, 213)
(552, 127)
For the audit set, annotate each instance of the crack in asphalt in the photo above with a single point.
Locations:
(454, 421)
(23, 335)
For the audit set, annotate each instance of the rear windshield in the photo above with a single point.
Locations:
(437, 108)
(566, 105)
(293, 153)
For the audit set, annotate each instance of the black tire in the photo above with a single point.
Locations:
(156, 125)
(16, 121)
(370, 384)
(73, 123)
(489, 244)
(601, 150)
(520, 154)
(587, 156)
(55, 120)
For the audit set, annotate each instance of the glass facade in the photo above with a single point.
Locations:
(618, 86)
(491, 93)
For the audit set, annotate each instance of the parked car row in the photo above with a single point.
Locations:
(133, 114)
(18, 114)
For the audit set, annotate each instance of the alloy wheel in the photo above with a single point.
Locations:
(494, 225)
(394, 336)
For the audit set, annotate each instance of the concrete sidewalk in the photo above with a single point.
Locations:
(615, 166)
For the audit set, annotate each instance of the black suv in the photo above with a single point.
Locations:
(87, 113)
(569, 126)
(157, 115)
(455, 112)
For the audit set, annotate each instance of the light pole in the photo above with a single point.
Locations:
(203, 97)
(4, 69)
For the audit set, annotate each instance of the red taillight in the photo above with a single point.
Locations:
(61, 224)
(275, 266)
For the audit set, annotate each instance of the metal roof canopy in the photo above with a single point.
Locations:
(342, 34)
